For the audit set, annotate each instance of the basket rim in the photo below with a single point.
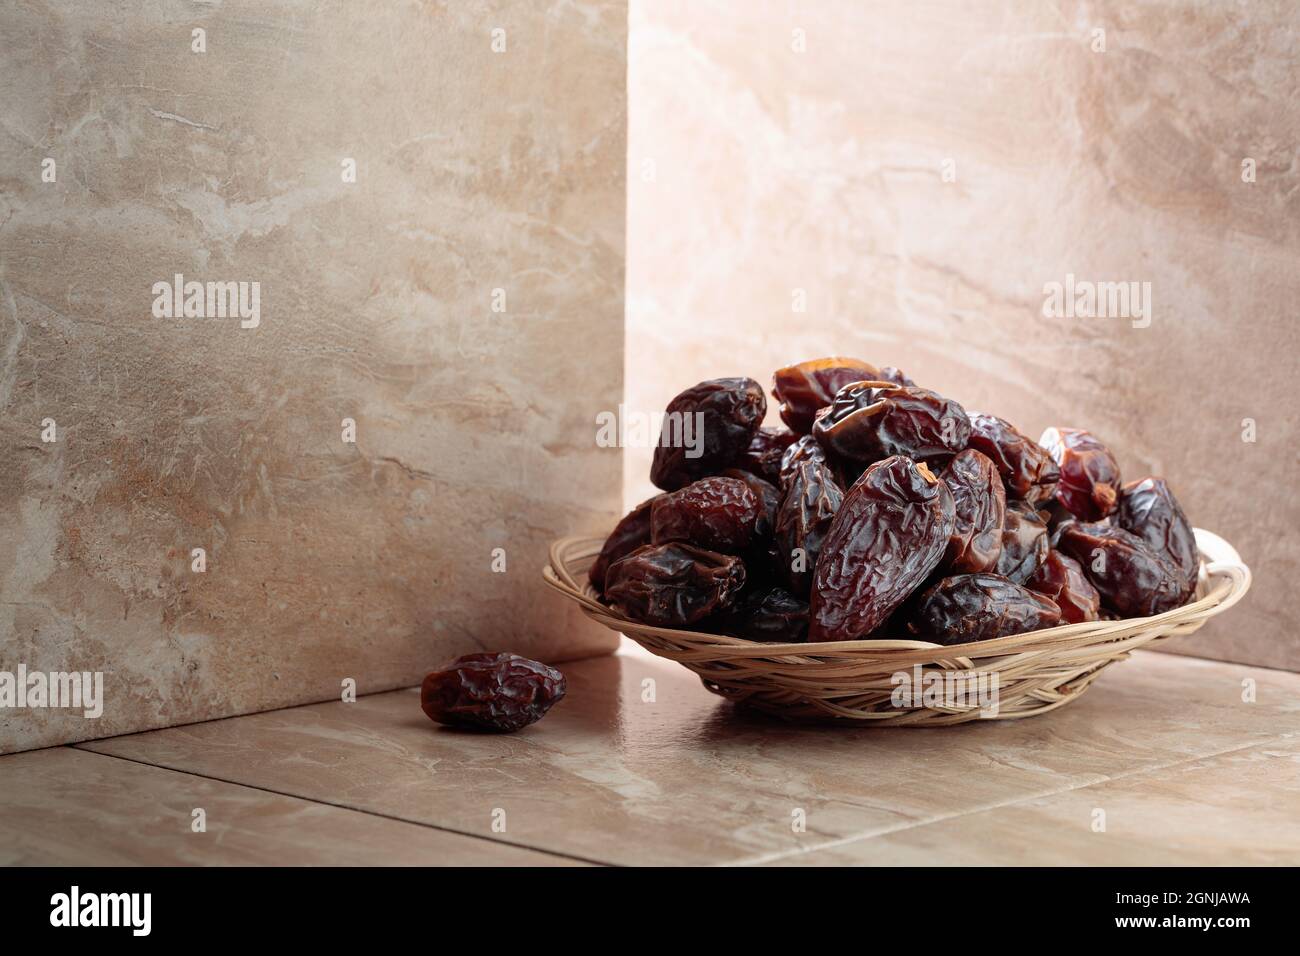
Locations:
(1224, 581)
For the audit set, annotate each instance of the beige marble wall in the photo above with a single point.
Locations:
(477, 169)
(778, 146)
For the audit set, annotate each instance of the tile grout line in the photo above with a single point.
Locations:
(341, 806)
(777, 855)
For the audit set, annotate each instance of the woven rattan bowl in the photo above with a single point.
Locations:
(1027, 674)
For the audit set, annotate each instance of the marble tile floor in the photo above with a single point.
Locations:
(1161, 762)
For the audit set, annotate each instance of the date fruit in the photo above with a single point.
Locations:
(980, 502)
(894, 375)
(1061, 579)
(491, 692)
(1024, 542)
(805, 389)
(806, 448)
(977, 607)
(769, 499)
(1149, 510)
(772, 615)
(632, 531)
(806, 514)
(1089, 486)
(706, 428)
(890, 532)
(869, 421)
(1026, 468)
(765, 451)
(673, 585)
(717, 514)
(1133, 579)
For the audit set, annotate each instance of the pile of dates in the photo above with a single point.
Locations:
(885, 510)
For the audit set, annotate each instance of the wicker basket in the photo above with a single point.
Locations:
(1016, 676)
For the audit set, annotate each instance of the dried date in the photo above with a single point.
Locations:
(980, 505)
(977, 607)
(1089, 485)
(1149, 510)
(632, 531)
(804, 389)
(769, 499)
(766, 450)
(868, 422)
(896, 376)
(706, 428)
(673, 585)
(491, 692)
(890, 532)
(772, 615)
(1027, 469)
(806, 514)
(1024, 542)
(717, 514)
(1061, 579)
(1133, 579)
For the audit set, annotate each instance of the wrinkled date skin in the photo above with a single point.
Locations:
(801, 525)
(805, 389)
(491, 692)
(718, 418)
(1027, 469)
(980, 503)
(769, 499)
(1061, 579)
(1089, 485)
(772, 616)
(673, 585)
(717, 514)
(977, 607)
(765, 451)
(632, 531)
(1149, 510)
(1133, 579)
(806, 448)
(1024, 542)
(868, 422)
(890, 532)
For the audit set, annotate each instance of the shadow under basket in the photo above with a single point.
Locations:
(877, 681)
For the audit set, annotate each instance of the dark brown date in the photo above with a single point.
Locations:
(705, 429)
(804, 518)
(772, 615)
(1024, 542)
(765, 451)
(1061, 579)
(804, 389)
(1089, 485)
(1149, 510)
(632, 531)
(806, 448)
(1026, 468)
(491, 692)
(867, 422)
(977, 607)
(980, 503)
(890, 532)
(769, 499)
(673, 585)
(1133, 579)
(717, 514)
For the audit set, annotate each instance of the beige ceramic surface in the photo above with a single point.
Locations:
(72, 808)
(758, 174)
(476, 171)
(613, 776)
(1234, 809)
